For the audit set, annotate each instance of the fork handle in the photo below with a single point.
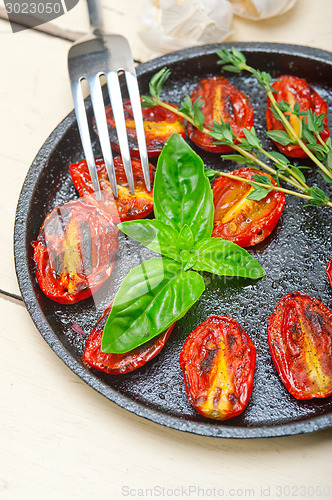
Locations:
(95, 16)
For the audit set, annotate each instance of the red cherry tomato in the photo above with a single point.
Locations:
(292, 89)
(300, 340)
(159, 125)
(120, 363)
(245, 222)
(74, 251)
(329, 272)
(126, 206)
(218, 364)
(221, 99)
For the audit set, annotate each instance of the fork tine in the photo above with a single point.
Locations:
(85, 135)
(138, 119)
(100, 116)
(114, 91)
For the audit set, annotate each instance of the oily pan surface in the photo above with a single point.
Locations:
(295, 257)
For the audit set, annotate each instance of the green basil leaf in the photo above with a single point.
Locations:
(182, 193)
(151, 298)
(153, 234)
(188, 259)
(186, 238)
(225, 258)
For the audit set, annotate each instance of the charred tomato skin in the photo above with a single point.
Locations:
(300, 341)
(329, 272)
(291, 88)
(127, 206)
(159, 124)
(221, 99)
(245, 222)
(74, 251)
(117, 364)
(218, 363)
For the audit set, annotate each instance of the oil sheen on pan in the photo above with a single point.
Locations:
(295, 257)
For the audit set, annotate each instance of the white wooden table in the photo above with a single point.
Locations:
(59, 439)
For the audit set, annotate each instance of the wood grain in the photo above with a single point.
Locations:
(68, 442)
(59, 438)
(49, 29)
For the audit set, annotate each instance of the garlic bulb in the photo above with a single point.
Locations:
(177, 24)
(261, 9)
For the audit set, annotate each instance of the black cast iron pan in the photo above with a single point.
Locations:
(295, 257)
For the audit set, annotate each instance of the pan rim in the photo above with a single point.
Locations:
(44, 327)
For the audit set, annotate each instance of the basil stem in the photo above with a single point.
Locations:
(160, 291)
(151, 298)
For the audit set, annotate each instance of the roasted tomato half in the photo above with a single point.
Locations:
(115, 364)
(74, 251)
(221, 100)
(218, 364)
(329, 272)
(159, 125)
(292, 89)
(127, 206)
(245, 222)
(300, 340)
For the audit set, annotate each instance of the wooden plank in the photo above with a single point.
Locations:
(35, 97)
(296, 25)
(61, 439)
(33, 101)
(12, 176)
(118, 18)
(47, 28)
(76, 20)
(302, 25)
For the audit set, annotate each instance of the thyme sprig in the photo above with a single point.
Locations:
(311, 125)
(248, 149)
(262, 186)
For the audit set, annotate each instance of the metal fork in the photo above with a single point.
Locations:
(90, 57)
